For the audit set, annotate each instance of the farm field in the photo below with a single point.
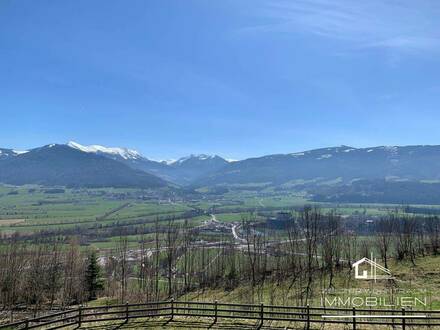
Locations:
(32, 209)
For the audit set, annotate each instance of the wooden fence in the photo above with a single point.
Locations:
(350, 317)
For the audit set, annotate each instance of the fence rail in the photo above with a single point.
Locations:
(306, 315)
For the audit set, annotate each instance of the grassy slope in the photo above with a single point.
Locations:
(425, 275)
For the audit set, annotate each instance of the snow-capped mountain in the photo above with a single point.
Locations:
(124, 153)
(59, 164)
(129, 157)
(181, 171)
(192, 167)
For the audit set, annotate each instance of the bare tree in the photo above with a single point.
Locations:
(122, 252)
(73, 279)
(405, 239)
(310, 224)
(384, 236)
(171, 252)
(433, 229)
(157, 259)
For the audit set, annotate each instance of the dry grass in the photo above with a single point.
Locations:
(9, 222)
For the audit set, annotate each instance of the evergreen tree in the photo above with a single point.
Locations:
(93, 280)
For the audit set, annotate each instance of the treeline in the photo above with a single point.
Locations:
(174, 258)
(43, 276)
(378, 191)
(406, 237)
(307, 254)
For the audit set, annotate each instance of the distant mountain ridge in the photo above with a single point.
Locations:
(63, 165)
(386, 174)
(343, 163)
(182, 171)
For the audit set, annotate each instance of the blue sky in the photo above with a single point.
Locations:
(238, 78)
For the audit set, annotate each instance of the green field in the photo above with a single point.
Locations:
(33, 209)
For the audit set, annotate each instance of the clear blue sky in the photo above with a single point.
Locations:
(238, 78)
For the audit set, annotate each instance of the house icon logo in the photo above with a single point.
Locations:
(369, 269)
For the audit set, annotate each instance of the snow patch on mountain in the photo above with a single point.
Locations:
(391, 149)
(20, 152)
(122, 152)
(167, 161)
(197, 157)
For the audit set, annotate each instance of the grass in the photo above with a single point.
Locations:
(190, 323)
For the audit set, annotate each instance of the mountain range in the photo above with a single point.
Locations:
(182, 171)
(329, 174)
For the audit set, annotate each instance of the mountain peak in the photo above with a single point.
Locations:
(98, 149)
(68, 165)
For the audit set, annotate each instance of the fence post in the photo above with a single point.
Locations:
(26, 325)
(403, 319)
(126, 312)
(261, 314)
(79, 316)
(308, 317)
(215, 311)
(354, 318)
(172, 309)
